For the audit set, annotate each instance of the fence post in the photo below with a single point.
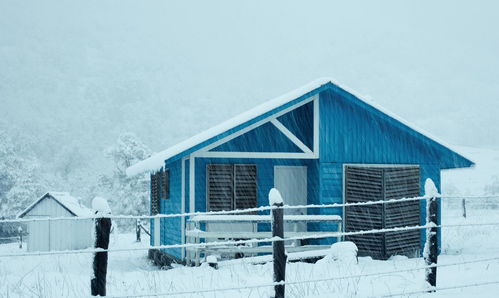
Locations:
(464, 208)
(137, 230)
(431, 246)
(278, 252)
(102, 231)
(20, 230)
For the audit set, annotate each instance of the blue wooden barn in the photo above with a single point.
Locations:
(318, 144)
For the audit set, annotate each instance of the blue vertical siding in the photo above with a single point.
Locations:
(350, 132)
(331, 191)
(171, 227)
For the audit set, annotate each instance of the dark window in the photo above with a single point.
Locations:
(364, 184)
(165, 184)
(231, 186)
(220, 187)
(245, 186)
(155, 181)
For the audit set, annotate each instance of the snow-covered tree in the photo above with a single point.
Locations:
(127, 151)
(126, 195)
(19, 177)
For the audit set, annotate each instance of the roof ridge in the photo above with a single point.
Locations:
(156, 161)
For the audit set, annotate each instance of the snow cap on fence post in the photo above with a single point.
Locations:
(101, 206)
(275, 197)
(430, 190)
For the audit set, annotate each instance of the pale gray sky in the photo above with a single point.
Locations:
(76, 75)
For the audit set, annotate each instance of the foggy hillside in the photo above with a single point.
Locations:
(74, 76)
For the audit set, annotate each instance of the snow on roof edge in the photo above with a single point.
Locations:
(156, 161)
(74, 207)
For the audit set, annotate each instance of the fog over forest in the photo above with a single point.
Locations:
(76, 76)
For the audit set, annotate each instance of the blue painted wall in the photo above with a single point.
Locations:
(350, 132)
(171, 227)
(354, 132)
(265, 176)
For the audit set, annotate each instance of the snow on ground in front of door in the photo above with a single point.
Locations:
(130, 273)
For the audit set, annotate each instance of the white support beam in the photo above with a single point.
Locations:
(316, 126)
(182, 205)
(275, 155)
(192, 181)
(290, 136)
(256, 124)
(157, 231)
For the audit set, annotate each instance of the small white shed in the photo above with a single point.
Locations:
(58, 234)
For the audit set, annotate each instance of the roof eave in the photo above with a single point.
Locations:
(233, 130)
(152, 163)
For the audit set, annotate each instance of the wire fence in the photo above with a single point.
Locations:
(272, 240)
(239, 211)
(226, 242)
(239, 242)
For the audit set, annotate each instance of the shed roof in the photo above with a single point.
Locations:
(68, 202)
(156, 161)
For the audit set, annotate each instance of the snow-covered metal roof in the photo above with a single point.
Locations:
(156, 161)
(67, 201)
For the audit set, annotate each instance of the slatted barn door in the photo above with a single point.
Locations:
(364, 184)
(402, 183)
(220, 187)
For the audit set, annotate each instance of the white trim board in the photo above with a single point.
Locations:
(290, 136)
(316, 137)
(182, 206)
(192, 181)
(270, 155)
(254, 125)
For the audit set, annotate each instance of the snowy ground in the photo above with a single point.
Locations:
(483, 178)
(131, 273)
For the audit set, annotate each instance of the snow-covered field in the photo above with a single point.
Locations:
(483, 178)
(130, 273)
